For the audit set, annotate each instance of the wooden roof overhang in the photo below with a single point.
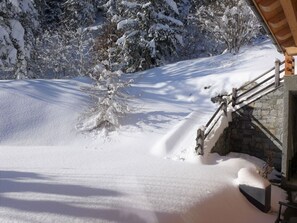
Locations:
(279, 17)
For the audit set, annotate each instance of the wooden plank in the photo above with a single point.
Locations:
(284, 34)
(287, 43)
(278, 21)
(269, 5)
(271, 14)
(291, 15)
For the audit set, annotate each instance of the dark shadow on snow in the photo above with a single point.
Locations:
(21, 182)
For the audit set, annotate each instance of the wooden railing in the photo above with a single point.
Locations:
(203, 132)
(265, 83)
(247, 93)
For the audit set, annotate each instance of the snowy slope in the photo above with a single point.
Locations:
(50, 172)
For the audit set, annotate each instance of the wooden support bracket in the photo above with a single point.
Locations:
(289, 65)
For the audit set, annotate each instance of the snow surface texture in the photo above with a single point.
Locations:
(50, 172)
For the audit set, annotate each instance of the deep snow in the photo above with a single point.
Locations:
(147, 171)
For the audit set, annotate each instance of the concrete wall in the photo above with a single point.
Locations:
(256, 129)
(290, 123)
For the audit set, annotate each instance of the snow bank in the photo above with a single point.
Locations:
(251, 177)
(175, 138)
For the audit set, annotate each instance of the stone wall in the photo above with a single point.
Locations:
(256, 129)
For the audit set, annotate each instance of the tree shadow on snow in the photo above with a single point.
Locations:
(22, 182)
(11, 181)
(49, 91)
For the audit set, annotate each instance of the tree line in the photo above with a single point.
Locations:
(52, 38)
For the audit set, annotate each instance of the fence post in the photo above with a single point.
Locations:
(224, 106)
(234, 95)
(277, 65)
(200, 142)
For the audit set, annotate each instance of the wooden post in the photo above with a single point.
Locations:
(289, 65)
(200, 142)
(277, 65)
(234, 96)
(224, 106)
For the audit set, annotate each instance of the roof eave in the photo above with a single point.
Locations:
(258, 14)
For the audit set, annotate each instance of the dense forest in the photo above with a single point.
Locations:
(55, 39)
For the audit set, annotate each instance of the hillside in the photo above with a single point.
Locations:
(146, 171)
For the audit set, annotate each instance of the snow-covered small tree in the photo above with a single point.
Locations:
(230, 21)
(110, 100)
(18, 26)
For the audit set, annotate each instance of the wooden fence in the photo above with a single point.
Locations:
(247, 93)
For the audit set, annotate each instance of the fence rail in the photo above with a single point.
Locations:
(248, 93)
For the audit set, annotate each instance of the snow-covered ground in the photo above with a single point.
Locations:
(147, 171)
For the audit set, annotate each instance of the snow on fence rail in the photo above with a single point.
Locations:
(246, 94)
(263, 84)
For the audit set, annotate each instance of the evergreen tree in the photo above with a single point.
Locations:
(18, 27)
(151, 32)
(78, 13)
(50, 14)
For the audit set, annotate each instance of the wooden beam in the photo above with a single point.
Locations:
(291, 51)
(288, 7)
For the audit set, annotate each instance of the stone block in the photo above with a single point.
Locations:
(265, 112)
(279, 101)
(273, 113)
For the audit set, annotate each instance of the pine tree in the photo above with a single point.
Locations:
(50, 14)
(18, 27)
(80, 13)
(151, 32)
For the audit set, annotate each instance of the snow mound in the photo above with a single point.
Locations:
(180, 135)
(251, 177)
